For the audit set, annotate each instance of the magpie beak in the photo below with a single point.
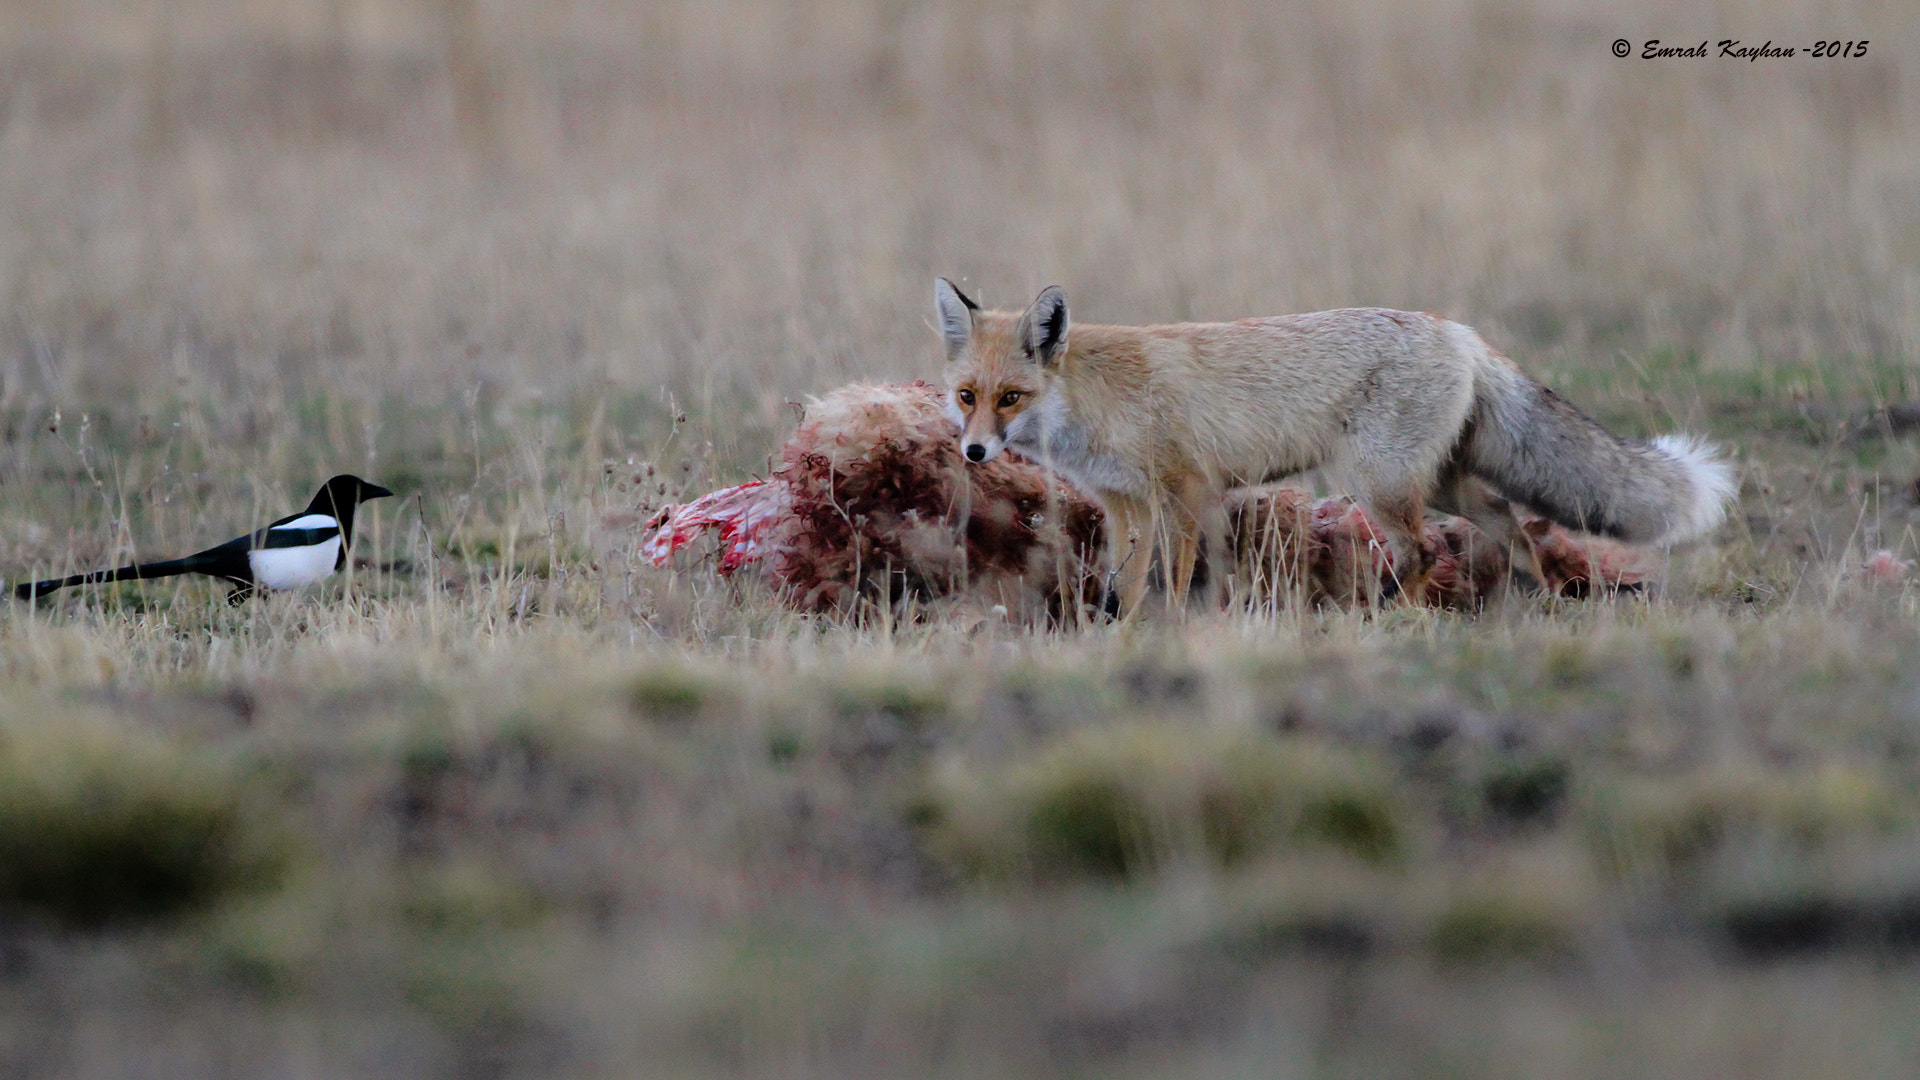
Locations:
(297, 550)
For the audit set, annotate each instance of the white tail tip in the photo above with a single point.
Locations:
(1710, 486)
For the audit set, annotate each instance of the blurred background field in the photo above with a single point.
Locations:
(508, 804)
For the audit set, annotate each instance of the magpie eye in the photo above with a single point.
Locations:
(1009, 399)
(966, 398)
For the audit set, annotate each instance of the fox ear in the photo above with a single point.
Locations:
(1042, 331)
(956, 315)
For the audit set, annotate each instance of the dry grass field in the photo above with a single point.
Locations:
(508, 803)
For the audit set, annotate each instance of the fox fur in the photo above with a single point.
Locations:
(1157, 423)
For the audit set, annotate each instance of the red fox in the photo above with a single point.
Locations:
(1156, 423)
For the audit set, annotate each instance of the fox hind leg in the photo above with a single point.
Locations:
(1393, 490)
(1403, 518)
(1399, 446)
(1195, 521)
(1468, 496)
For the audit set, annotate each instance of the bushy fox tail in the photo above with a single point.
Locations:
(1537, 449)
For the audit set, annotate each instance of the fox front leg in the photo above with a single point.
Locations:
(1129, 550)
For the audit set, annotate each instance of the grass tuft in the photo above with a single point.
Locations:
(1664, 826)
(1121, 803)
(669, 693)
(1527, 792)
(101, 827)
(1493, 928)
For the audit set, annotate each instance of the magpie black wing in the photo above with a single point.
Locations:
(278, 535)
(228, 560)
(290, 538)
(234, 548)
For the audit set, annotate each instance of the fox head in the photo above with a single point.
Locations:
(999, 367)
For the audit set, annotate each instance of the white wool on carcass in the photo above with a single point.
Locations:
(872, 499)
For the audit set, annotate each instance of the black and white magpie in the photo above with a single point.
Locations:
(297, 550)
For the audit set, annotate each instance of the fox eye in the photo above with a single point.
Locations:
(1009, 399)
(966, 398)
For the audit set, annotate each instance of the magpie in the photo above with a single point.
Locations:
(297, 550)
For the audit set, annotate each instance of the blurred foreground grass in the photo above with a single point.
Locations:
(1663, 833)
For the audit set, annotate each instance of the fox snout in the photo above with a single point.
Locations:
(978, 451)
(981, 439)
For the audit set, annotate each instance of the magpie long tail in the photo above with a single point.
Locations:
(169, 568)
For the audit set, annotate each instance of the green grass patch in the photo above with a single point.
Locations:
(1655, 827)
(1121, 803)
(103, 826)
